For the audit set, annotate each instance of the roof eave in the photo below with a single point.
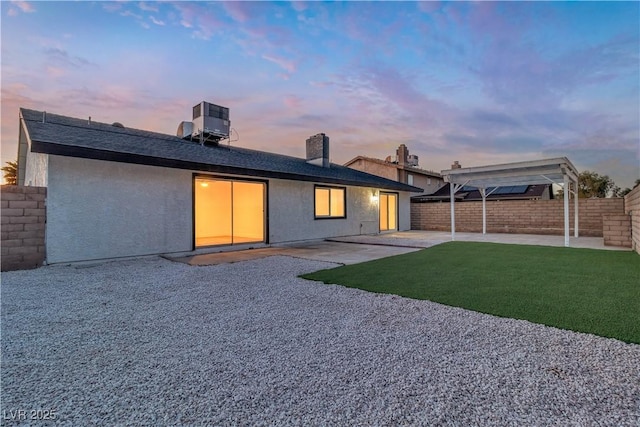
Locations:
(47, 147)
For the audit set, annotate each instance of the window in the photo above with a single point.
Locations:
(428, 181)
(330, 202)
(409, 179)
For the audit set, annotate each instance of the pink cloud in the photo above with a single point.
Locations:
(147, 7)
(156, 21)
(62, 58)
(500, 20)
(111, 6)
(24, 6)
(129, 13)
(237, 11)
(299, 6)
(284, 63)
(204, 22)
(293, 102)
(14, 96)
(429, 6)
(55, 72)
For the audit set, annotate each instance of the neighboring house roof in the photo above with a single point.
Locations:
(468, 193)
(409, 168)
(67, 136)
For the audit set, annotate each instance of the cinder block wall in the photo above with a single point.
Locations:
(23, 214)
(616, 230)
(632, 208)
(516, 216)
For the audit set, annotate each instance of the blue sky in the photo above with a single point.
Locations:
(482, 83)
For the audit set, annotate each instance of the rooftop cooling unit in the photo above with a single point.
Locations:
(412, 160)
(211, 121)
(185, 130)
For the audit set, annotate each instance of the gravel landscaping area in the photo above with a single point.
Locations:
(154, 342)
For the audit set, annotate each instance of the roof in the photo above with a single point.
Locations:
(520, 173)
(413, 169)
(67, 136)
(469, 193)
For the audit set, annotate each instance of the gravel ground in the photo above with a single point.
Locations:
(152, 342)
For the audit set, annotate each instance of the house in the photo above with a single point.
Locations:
(403, 169)
(116, 192)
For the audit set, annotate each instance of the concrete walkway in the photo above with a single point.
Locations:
(357, 249)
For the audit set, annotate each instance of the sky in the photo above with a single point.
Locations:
(482, 83)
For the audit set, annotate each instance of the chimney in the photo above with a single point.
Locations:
(402, 154)
(456, 165)
(318, 150)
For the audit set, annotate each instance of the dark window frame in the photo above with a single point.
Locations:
(397, 211)
(229, 178)
(329, 187)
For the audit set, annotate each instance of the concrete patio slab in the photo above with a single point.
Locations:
(425, 239)
(337, 252)
(356, 249)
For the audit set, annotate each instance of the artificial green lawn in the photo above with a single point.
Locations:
(583, 290)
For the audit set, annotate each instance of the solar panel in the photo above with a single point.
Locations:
(519, 189)
(509, 189)
(502, 190)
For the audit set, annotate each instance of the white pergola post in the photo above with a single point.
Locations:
(483, 193)
(453, 211)
(575, 210)
(566, 210)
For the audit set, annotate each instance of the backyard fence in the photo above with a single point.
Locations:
(517, 216)
(23, 216)
(632, 208)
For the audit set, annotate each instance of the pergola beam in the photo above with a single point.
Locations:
(556, 171)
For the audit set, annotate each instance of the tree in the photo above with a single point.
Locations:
(10, 173)
(592, 184)
(622, 193)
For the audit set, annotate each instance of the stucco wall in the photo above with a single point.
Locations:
(98, 210)
(374, 168)
(404, 211)
(291, 215)
(391, 171)
(36, 169)
(516, 216)
(429, 185)
(632, 208)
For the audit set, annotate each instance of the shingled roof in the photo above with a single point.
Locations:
(68, 136)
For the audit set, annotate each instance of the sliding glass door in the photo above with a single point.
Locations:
(228, 212)
(388, 211)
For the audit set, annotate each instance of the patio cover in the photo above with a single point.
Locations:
(489, 178)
